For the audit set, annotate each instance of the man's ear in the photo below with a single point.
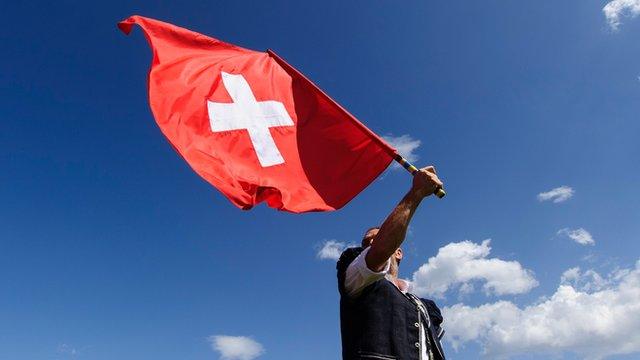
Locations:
(398, 254)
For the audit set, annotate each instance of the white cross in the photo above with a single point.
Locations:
(245, 113)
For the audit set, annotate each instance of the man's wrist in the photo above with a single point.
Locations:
(416, 194)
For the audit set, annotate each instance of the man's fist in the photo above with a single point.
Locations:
(425, 181)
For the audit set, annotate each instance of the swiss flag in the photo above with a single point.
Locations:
(253, 126)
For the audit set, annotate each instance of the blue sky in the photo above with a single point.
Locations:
(112, 248)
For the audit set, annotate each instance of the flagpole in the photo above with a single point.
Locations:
(412, 169)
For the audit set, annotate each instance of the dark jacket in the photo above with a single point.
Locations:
(382, 322)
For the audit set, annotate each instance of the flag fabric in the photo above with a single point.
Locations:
(253, 126)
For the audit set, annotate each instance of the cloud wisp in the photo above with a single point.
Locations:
(557, 195)
(331, 250)
(585, 306)
(581, 236)
(406, 146)
(615, 10)
(236, 347)
(68, 350)
(463, 263)
(589, 280)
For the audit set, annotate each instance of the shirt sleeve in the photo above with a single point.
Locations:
(359, 276)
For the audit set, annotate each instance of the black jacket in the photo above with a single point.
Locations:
(382, 322)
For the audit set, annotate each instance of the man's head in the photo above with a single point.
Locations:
(369, 235)
(367, 240)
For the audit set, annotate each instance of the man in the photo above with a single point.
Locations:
(379, 318)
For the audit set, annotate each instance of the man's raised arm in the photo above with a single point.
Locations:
(393, 230)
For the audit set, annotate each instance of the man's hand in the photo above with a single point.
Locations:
(425, 182)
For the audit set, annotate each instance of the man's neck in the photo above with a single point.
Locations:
(402, 285)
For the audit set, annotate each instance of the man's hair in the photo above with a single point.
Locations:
(372, 228)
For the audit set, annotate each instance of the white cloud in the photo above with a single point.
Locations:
(557, 195)
(331, 250)
(616, 9)
(581, 236)
(570, 275)
(236, 347)
(464, 262)
(590, 280)
(599, 319)
(406, 146)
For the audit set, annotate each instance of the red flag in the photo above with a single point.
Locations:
(253, 126)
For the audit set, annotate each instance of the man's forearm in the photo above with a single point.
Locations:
(393, 231)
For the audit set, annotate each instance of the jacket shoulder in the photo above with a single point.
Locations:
(347, 258)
